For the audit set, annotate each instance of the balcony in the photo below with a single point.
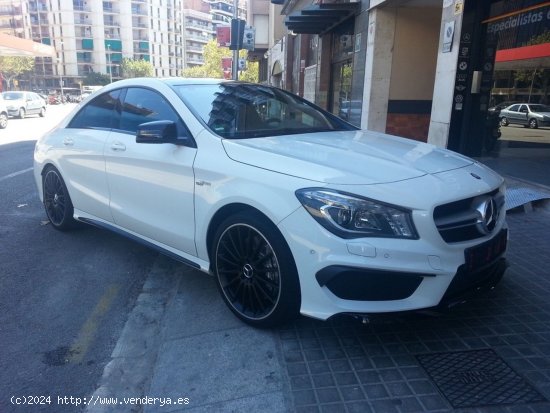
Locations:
(198, 26)
(199, 60)
(138, 12)
(83, 22)
(111, 22)
(81, 8)
(111, 10)
(202, 39)
(195, 49)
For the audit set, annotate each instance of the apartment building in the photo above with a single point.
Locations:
(198, 30)
(92, 36)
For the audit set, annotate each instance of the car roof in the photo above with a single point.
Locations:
(170, 81)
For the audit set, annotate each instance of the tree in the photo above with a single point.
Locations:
(539, 78)
(212, 66)
(96, 79)
(136, 68)
(14, 66)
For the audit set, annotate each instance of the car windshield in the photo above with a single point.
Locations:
(12, 95)
(539, 108)
(243, 110)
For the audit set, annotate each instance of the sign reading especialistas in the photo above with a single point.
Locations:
(517, 20)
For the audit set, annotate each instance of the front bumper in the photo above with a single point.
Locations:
(370, 276)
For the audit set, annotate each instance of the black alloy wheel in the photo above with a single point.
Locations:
(255, 271)
(57, 201)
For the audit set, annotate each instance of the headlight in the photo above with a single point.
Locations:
(350, 216)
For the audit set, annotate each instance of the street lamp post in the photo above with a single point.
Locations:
(61, 86)
(109, 63)
(60, 71)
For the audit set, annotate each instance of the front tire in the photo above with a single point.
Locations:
(42, 112)
(57, 202)
(255, 270)
(533, 124)
(3, 121)
(22, 113)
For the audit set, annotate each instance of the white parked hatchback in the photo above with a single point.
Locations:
(292, 209)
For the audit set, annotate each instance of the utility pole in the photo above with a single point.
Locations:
(109, 65)
(235, 65)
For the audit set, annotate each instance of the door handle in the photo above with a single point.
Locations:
(68, 142)
(118, 146)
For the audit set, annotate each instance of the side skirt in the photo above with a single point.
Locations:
(133, 237)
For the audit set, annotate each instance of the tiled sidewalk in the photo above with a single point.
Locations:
(344, 366)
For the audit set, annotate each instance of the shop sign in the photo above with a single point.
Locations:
(448, 35)
(523, 19)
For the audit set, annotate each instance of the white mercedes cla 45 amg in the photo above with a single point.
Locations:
(292, 209)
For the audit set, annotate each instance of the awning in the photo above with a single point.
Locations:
(526, 57)
(320, 18)
(15, 46)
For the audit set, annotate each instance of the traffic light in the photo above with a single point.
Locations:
(237, 33)
(249, 38)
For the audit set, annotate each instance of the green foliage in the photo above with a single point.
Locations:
(95, 78)
(212, 67)
(14, 66)
(540, 38)
(539, 76)
(136, 68)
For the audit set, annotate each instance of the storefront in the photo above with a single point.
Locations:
(504, 58)
(327, 50)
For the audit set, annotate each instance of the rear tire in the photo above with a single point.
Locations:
(42, 112)
(255, 270)
(22, 113)
(57, 202)
(504, 122)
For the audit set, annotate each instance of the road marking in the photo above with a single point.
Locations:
(89, 329)
(12, 175)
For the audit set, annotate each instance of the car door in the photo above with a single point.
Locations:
(522, 115)
(82, 162)
(512, 114)
(151, 185)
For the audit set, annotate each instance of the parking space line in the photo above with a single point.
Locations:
(89, 328)
(14, 174)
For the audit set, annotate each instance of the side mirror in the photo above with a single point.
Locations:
(160, 131)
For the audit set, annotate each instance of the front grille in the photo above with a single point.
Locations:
(462, 221)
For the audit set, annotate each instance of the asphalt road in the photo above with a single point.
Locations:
(521, 134)
(64, 297)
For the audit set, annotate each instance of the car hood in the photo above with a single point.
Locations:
(349, 157)
(542, 113)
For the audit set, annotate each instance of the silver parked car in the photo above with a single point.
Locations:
(532, 115)
(21, 104)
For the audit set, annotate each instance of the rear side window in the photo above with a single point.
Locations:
(100, 113)
(514, 108)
